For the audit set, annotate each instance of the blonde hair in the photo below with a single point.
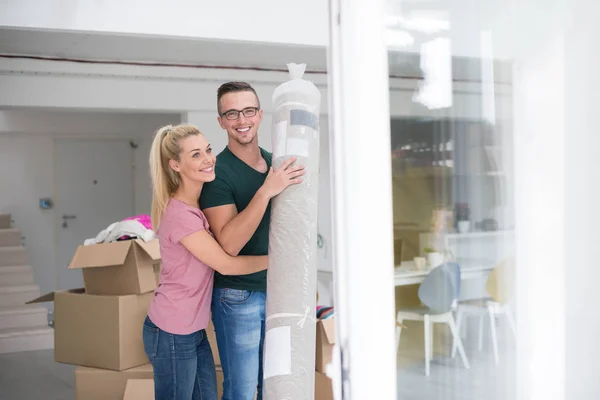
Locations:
(165, 180)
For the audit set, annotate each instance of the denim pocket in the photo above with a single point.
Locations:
(150, 336)
(235, 296)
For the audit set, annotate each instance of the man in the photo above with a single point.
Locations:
(236, 205)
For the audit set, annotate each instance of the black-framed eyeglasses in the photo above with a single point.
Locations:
(235, 114)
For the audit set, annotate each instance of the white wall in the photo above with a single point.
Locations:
(27, 174)
(139, 127)
(299, 22)
(27, 161)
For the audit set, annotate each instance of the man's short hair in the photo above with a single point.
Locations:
(233, 87)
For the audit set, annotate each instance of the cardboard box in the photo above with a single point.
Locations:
(325, 342)
(212, 340)
(98, 331)
(220, 379)
(323, 387)
(139, 389)
(118, 268)
(104, 384)
(143, 389)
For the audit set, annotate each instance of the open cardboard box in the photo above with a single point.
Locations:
(118, 268)
(98, 331)
(325, 342)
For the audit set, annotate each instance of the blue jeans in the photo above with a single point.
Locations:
(239, 320)
(184, 368)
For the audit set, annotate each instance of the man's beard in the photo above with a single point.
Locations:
(243, 140)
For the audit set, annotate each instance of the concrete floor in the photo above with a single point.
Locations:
(33, 375)
(449, 379)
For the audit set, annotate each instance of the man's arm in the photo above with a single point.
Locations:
(232, 229)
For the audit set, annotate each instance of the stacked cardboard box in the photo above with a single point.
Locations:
(324, 347)
(143, 389)
(103, 384)
(99, 328)
(139, 389)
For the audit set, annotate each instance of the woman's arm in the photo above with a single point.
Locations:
(206, 249)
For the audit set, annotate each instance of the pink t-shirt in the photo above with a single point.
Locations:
(181, 303)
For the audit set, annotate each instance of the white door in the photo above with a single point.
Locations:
(94, 188)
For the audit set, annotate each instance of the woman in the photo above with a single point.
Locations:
(181, 161)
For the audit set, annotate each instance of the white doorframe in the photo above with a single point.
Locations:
(361, 192)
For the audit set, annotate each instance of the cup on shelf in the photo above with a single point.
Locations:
(464, 226)
(420, 263)
(435, 259)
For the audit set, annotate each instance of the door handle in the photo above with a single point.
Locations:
(66, 217)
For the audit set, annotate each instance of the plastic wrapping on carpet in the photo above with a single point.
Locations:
(289, 358)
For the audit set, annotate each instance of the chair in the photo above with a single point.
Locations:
(499, 287)
(438, 291)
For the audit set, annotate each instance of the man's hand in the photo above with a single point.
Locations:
(277, 180)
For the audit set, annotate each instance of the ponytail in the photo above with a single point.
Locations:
(165, 180)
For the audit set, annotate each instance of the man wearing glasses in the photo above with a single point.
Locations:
(236, 205)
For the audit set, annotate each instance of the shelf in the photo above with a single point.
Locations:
(476, 234)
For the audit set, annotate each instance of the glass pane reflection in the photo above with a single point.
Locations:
(451, 133)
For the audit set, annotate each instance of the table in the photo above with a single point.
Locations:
(408, 274)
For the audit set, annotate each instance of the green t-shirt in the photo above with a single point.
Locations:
(236, 183)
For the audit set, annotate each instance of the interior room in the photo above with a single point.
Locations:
(448, 240)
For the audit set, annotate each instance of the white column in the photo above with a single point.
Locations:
(362, 200)
(539, 112)
(557, 86)
(540, 223)
(582, 199)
